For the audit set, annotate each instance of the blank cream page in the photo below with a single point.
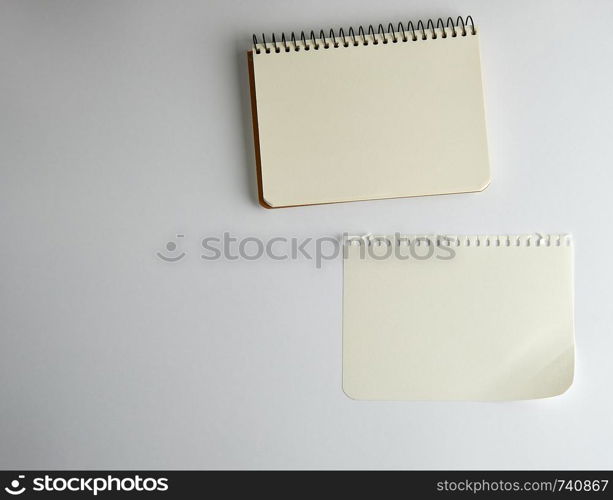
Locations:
(484, 318)
(371, 121)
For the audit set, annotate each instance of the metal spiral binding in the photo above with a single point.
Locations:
(421, 31)
(529, 240)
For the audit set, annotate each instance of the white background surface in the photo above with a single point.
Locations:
(124, 123)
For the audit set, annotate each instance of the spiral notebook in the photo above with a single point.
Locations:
(368, 113)
(458, 318)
